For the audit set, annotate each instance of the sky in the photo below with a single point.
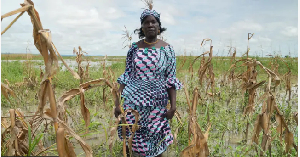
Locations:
(97, 26)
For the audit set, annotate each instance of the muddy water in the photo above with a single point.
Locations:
(95, 137)
(71, 63)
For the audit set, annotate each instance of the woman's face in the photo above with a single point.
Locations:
(150, 26)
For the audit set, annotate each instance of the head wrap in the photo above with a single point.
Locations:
(147, 12)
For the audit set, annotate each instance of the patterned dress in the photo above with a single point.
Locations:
(148, 75)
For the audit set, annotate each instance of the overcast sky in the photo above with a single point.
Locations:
(97, 25)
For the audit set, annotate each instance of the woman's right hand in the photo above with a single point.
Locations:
(117, 102)
(117, 110)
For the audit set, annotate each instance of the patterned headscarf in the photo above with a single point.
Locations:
(147, 12)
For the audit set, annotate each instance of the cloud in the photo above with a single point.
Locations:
(168, 19)
(247, 25)
(265, 39)
(97, 26)
(290, 31)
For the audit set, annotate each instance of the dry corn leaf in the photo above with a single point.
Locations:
(289, 139)
(255, 86)
(191, 65)
(203, 70)
(65, 64)
(22, 9)
(84, 110)
(13, 131)
(201, 142)
(148, 3)
(113, 131)
(271, 105)
(263, 97)
(35, 20)
(52, 64)
(86, 73)
(177, 115)
(198, 131)
(175, 135)
(279, 127)
(87, 149)
(5, 90)
(195, 102)
(21, 117)
(232, 66)
(89, 84)
(73, 92)
(282, 119)
(287, 78)
(187, 151)
(257, 129)
(65, 97)
(48, 112)
(53, 108)
(250, 63)
(4, 123)
(249, 37)
(12, 117)
(22, 135)
(64, 147)
(274, 76)
(42, 94)
(205, 40)
(42, 41)
(187, 97)
(264, 122)
(12, 22)
(271, 74)
(205, 149)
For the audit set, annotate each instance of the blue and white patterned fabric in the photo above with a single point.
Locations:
(149, 73)
(147, 12)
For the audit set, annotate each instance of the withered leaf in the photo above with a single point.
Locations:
(87, 149)
(64, 147)
(289, 139)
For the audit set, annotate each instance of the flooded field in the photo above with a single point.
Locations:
(224, 112)
(71, 63)
(233, 102)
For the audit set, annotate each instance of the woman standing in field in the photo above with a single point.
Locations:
(147, 84)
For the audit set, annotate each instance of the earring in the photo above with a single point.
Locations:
(143, 29)
(158, 31)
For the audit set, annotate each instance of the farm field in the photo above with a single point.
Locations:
(227, 135)
(53, 105)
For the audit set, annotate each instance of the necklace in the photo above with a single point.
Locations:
(150, 43)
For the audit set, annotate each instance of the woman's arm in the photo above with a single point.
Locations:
(122, 80)
(122, 86)
(172, 95)
(173, 83)
(117, 101)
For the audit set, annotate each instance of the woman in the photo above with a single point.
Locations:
(147, 84)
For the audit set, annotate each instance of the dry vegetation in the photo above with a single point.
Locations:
(21, 134)
(25, 135)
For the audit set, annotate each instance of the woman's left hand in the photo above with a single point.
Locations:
(169, 114)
